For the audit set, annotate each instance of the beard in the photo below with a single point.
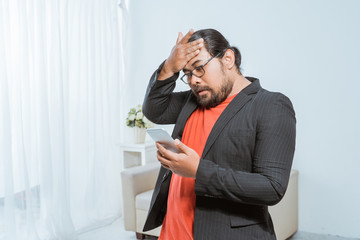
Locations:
(216, 97)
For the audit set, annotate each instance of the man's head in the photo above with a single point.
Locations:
(211, 73)
(216, 43)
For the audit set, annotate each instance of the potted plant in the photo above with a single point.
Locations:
(139, 123)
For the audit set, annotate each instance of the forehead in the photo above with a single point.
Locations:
(199, 59)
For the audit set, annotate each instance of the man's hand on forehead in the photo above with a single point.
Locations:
(181, 54)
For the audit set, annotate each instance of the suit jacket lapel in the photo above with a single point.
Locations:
(188, 109)
(233, 108)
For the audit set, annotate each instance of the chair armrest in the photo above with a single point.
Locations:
(285, 213)
(136, 180)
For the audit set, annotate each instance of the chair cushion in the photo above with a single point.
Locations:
(143, 200)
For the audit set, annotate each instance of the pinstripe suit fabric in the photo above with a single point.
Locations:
(245, 165)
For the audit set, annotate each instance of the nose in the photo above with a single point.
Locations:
(194, 80)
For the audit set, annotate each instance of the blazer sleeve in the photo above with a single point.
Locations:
(271, 162)
(161, 105)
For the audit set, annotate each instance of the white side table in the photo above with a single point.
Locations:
(136, 154)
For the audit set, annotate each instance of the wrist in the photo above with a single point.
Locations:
(167, 68)
(165, 72)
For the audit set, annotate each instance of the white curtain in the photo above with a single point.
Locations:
(61, 73)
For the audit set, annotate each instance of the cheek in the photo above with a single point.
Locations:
(214, 83)
(214, 77)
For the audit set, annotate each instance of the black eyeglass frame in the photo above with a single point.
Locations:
(190, 74)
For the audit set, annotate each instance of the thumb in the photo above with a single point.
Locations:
(181, 146)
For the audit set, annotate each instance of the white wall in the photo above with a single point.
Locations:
(309, 51)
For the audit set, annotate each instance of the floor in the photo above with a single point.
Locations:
(313, 236)
(116, 232)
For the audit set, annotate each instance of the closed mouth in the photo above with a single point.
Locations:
(200, 91)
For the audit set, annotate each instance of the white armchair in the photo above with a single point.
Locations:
(138, 184)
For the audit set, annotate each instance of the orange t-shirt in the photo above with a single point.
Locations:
(179, 218)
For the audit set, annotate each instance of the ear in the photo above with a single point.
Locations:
(229, 59)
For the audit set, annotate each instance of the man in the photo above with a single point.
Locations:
(237, 144)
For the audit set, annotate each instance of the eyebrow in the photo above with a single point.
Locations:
(193, 64)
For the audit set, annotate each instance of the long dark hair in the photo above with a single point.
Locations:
(215, 43)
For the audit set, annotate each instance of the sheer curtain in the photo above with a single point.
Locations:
(61, 72)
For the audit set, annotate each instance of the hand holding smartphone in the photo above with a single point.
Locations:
(163, 137)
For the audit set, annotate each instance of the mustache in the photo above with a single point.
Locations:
(197, 88)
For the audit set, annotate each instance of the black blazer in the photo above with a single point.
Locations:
(245, 165)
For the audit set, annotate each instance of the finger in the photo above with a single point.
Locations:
(196, 42)
(180, 36)
(181, 146)
(160, 156)
(163, 152)
(165, 166)
(194, 48)
(186, 38)
(192, 55)
(163, 161)
(161, 149)
(169, 155)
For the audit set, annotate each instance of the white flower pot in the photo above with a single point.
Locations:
(139, 135)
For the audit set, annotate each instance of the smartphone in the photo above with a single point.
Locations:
(163, 137)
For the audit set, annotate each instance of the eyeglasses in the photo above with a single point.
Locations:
(197, 72)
